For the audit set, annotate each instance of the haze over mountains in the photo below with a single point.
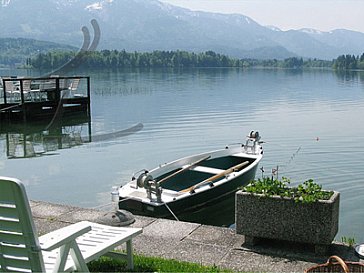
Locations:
(147, 25)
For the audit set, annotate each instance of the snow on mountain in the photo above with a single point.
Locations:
(5, 3)
(94, 6)
(98, 5)
(274, 28)
(311, 31)
(147, 25)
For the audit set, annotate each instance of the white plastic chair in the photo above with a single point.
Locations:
(33, 94)
(66, 249)
(12, 93)
(28, 92)
(63, 83)
(69, 87)
(74, 85)
(73, 88)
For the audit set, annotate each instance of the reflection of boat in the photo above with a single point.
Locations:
(221, 213)
(192, 182)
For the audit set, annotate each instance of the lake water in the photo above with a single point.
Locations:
(311, 122)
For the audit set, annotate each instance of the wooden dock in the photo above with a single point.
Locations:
(32, 99)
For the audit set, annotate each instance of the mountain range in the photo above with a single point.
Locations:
(147, 25)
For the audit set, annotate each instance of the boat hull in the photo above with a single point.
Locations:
(194, 200)
(191, 183)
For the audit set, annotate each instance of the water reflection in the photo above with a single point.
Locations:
(33, 140)
(313, 115)
(29, 140)
(221, 213)
(350, 76)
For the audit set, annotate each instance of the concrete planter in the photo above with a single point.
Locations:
(258, 216)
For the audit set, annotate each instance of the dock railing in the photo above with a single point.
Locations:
(35, 98)
(21, 90)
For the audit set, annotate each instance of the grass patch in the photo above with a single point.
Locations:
(150, 264)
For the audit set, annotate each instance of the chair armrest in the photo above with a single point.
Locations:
(59, 237)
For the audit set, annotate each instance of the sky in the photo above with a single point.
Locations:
(323, 15)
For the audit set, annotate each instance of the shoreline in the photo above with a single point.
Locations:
(197, 243)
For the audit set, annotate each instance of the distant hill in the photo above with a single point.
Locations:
(17, 50)
(146, 25)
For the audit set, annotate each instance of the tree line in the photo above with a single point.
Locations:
(349, 62)
(164, 59)
(46, 55)
(15, 51)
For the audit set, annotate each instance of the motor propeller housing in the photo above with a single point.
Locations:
(146, 181)
(143, 180)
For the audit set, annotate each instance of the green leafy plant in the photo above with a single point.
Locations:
(350, 241)
(306, 192)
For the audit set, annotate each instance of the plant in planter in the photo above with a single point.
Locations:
(307, 192)
(270, 208)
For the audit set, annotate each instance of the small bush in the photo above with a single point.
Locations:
(307, 192)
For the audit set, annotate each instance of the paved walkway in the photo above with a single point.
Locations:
(207, 245)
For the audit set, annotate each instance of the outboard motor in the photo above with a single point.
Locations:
(255, 135)
(252, 143)
(145, 180)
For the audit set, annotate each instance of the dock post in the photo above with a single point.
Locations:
(88, 98)
(89, 129)
(4, 90)
(7, 144)
(23, 106)
(58, 92)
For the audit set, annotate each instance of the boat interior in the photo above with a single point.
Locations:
(209, 170)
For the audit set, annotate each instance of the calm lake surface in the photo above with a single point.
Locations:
(311, 122)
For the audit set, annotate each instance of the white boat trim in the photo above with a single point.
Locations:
(132, 191)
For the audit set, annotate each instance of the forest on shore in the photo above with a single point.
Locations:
(28, 53)
(165, 59)
(183, 59)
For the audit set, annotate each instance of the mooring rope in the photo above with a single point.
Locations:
(175, 217)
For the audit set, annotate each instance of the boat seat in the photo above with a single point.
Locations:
(240, 155)
(207, 170)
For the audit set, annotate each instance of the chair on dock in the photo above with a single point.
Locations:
(12, 92)
(63, 83)
(66, 249)
(29, 93)
(73, 87)
(68, 87)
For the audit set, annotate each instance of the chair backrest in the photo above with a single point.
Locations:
(19, 245)
(63, 83)
(9, 86)
(26, 85)
(74, 84)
